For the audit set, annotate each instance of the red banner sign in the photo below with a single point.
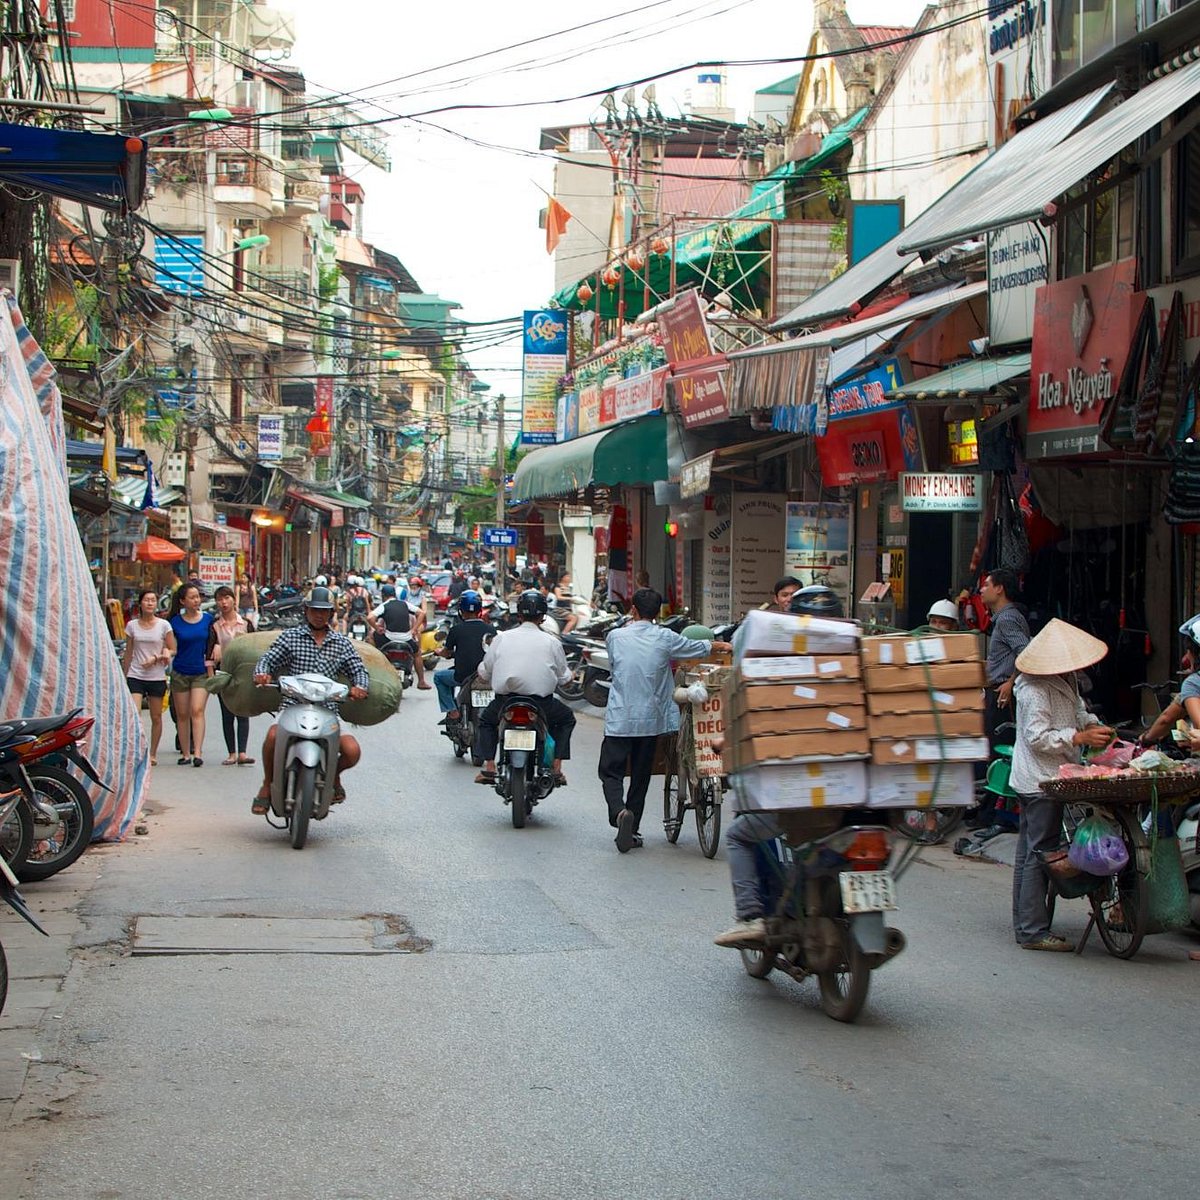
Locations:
(700, 397)
(608, 402)
(685, 328)
(1082, 330)
(862, 450)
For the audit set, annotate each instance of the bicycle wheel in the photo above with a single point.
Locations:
(707, 803)
(675, 798)
(1122, 906)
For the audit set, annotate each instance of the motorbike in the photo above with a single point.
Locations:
(1187, 829)
(306, 753)
(54, 825)
(826, 902)
(282, 613)
(473, 698)
(398, 650)
(523, 774)
(13, 898)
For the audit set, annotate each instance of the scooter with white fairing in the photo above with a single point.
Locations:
(307, 743)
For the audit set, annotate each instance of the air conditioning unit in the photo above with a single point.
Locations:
(10, 276)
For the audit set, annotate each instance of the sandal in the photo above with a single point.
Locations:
(231, 761)
(486, 777)
(560, 780)
(260, 804)
(154, 762)
(197, 762)
(183, 762)
(245, 761)
(339, 794)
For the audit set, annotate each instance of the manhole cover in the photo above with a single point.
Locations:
(234, 934)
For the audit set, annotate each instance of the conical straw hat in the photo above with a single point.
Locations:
(1059, 649)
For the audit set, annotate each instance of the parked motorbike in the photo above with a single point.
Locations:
(13, 898)
(473, 698)
(282, 613)
(53, 826)
(398, 649)
(1187, 829)
(826, 904)
(306, 754)
(523, 774)
(357, 626)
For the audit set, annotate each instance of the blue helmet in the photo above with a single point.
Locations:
(470, 601)
(388, 591)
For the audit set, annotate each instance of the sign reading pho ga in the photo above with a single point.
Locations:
(1082, 332)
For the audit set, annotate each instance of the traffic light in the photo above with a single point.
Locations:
(672, 529)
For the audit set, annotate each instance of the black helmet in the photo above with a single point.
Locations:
(531, 605)
(816, 601)
(470, 601)
(320, 597)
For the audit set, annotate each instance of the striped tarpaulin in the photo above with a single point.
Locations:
(56, 648)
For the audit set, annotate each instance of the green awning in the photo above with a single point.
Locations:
(978, 377)
(632, 453)
(346, 500)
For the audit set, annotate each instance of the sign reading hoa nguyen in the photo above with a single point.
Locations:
(544, 343)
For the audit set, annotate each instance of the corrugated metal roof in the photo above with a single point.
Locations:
(875, 271)
(1026, 193)
(978, 377)
(875, 35)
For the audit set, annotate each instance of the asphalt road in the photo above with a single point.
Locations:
(571, 1031)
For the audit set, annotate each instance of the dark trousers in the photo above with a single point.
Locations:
(615, 753)
(560, 720)
(231, 724)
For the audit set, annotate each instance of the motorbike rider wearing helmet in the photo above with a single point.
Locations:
(943, 616)
(747, 831)
(313, 648)
(466, 644)
(392, 617)
(525, 661)
(1185, 704)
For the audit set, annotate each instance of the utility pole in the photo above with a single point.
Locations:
(501, 463)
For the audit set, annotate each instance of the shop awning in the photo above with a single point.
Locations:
(1025, 196)
(865, 278)
(635, 453)
(328, 502)
(226, 537)
(131, 490)
(979, 377)
(103, 170)
(795, 371)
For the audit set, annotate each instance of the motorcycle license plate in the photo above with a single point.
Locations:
(520, 739)
(867, 891)
(482, 699)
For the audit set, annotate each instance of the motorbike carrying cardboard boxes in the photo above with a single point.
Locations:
(760, 697)
(920, 785)
(944, 677)
(929, 750)
(234, 682)
(787, 667)
(898, 651)
(784, 633)
(924, 701)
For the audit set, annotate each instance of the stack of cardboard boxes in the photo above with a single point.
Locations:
(925, 719)
(796, 725)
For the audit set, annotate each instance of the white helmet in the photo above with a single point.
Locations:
(352, 580)
(943, 608)
(320, 581)
(1191, 628)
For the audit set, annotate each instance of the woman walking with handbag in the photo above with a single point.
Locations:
(229, 625)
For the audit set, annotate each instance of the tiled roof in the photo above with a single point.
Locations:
(874, 35)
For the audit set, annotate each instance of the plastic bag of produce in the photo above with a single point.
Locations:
(1098, 848)
(234, 683)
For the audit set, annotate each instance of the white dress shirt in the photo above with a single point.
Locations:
(525, 661)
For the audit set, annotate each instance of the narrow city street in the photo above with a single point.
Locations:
(566, 1027)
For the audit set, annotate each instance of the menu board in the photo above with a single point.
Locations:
(759, 533)
(715, 566)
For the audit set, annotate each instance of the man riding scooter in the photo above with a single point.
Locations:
(311, 648)
(525, 661)
(466, 644)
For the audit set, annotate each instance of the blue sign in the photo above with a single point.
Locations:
(179, 263)
(545, 332)
(868, 393)
(499, 537)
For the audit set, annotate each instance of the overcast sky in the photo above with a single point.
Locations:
(463, 216)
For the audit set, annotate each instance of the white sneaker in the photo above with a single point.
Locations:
(744, 933)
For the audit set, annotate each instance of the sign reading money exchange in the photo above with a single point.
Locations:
(544, 342)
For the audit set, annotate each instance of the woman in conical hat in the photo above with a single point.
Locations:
(1053, 726)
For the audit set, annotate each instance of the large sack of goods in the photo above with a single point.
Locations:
(925, 718)
(796, 717)
(234, 682)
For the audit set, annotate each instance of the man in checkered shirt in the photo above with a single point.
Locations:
(312, 648)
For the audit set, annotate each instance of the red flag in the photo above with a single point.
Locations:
(556, 224)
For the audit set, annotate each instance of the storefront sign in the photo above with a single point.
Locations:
(964, 443)
(640, 395)
(545, 360)
(695, 475)
(568, 417)
(1081, 339)
(445, 525)
(708, 735)
(759, 532)
(608, 402)
(700, 397)
(716, 566)
(941, 493)
(1016, 270)
(216, 570)
(817, 546)
(589, 410)
(869, 449)
(685, 328)
(1017, 49)
(868, 393)
(270, 439)
(1189, 292)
